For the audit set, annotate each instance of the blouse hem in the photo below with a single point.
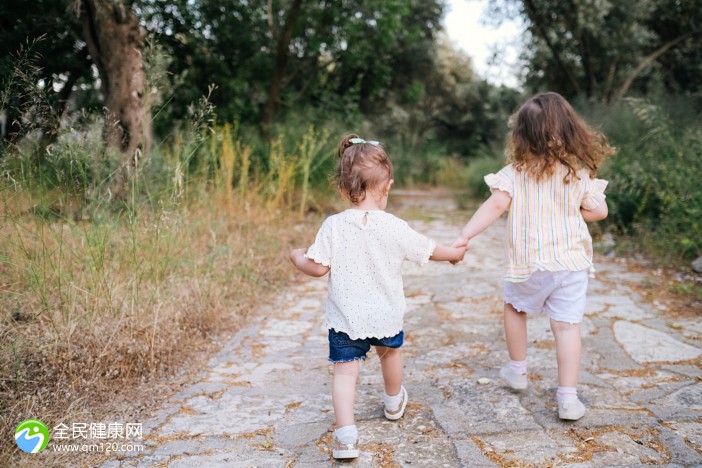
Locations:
(366, 337)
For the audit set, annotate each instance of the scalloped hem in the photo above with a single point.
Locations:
(317, 259)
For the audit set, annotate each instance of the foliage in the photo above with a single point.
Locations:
(343, 57)
(654, 191)
(604, 49)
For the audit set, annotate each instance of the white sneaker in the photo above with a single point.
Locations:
(516, 381)
(394, 415)
(345, 451)
(572, 410)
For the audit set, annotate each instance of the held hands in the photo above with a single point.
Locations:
(460, 243)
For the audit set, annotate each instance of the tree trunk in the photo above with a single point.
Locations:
(114, 40)
(281, 64)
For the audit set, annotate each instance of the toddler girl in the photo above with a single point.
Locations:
(551, 192)
(364, 248)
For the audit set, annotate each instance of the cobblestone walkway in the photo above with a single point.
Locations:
(265, 400)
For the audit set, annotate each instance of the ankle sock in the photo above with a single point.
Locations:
(347, 434)
(392, 403)
(518, 367)
(567, 394)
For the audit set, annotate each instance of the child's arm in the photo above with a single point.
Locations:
(596, 214)
(483, 218)
(448, 254)
(306, 265)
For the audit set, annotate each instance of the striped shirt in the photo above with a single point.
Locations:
(545, 229)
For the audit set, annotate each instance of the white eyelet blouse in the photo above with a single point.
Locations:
(366, 250)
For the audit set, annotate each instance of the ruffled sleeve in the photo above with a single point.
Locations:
(594, 193)
(503, 180)
(321, 250)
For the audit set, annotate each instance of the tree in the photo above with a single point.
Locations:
(603, 50)
(268, 57)
(282, 57)
(53, 35)
(115, 38)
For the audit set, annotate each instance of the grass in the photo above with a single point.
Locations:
(102, 298)
(88, 307)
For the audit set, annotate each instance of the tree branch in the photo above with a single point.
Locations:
(648, 60)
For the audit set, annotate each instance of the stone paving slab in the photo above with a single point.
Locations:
(264, 400)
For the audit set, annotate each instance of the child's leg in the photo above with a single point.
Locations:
(515, 333)
(344, 392)
(568, 346)
(391, 364)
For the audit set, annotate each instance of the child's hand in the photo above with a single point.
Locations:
(463, 250)
(460, 242)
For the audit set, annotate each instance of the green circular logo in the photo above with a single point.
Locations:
(31, 436)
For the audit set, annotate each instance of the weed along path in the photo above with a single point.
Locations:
(265, 399)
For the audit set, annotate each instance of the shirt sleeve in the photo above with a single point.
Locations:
(321, 250)
(594, 193)
(417, 247)
(503, 180)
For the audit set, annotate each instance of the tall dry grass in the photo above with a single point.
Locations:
(94, 304)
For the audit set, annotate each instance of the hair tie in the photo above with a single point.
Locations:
(358, 141)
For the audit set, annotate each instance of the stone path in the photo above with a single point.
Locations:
(265, 400)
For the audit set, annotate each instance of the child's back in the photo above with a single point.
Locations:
(366, 296)
(546, 228)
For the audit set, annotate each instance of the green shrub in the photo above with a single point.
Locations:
(655, 192)
(477, 169)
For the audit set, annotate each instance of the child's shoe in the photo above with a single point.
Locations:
(516, 381)
(345, 451)
(572, 410)
(396, 414)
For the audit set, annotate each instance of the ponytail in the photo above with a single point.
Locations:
(345, 143)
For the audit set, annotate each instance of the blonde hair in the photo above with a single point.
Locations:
(362, 167)
(546, 130)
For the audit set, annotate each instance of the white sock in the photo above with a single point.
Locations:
(347, 434)
(567, 394)
(392, 403)
(518, 367)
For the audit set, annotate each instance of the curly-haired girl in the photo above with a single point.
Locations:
(551, 193)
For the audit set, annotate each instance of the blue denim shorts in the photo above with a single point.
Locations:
(343, 349)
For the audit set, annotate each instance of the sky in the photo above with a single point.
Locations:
(479, 41)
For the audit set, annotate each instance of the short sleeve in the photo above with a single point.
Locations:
(594, 193)
(503, 180)
(321, 250)
(417, 247)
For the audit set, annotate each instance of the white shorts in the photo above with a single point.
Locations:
(559, 293)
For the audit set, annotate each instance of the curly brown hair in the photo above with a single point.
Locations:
(546, 130)
(362, 167)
